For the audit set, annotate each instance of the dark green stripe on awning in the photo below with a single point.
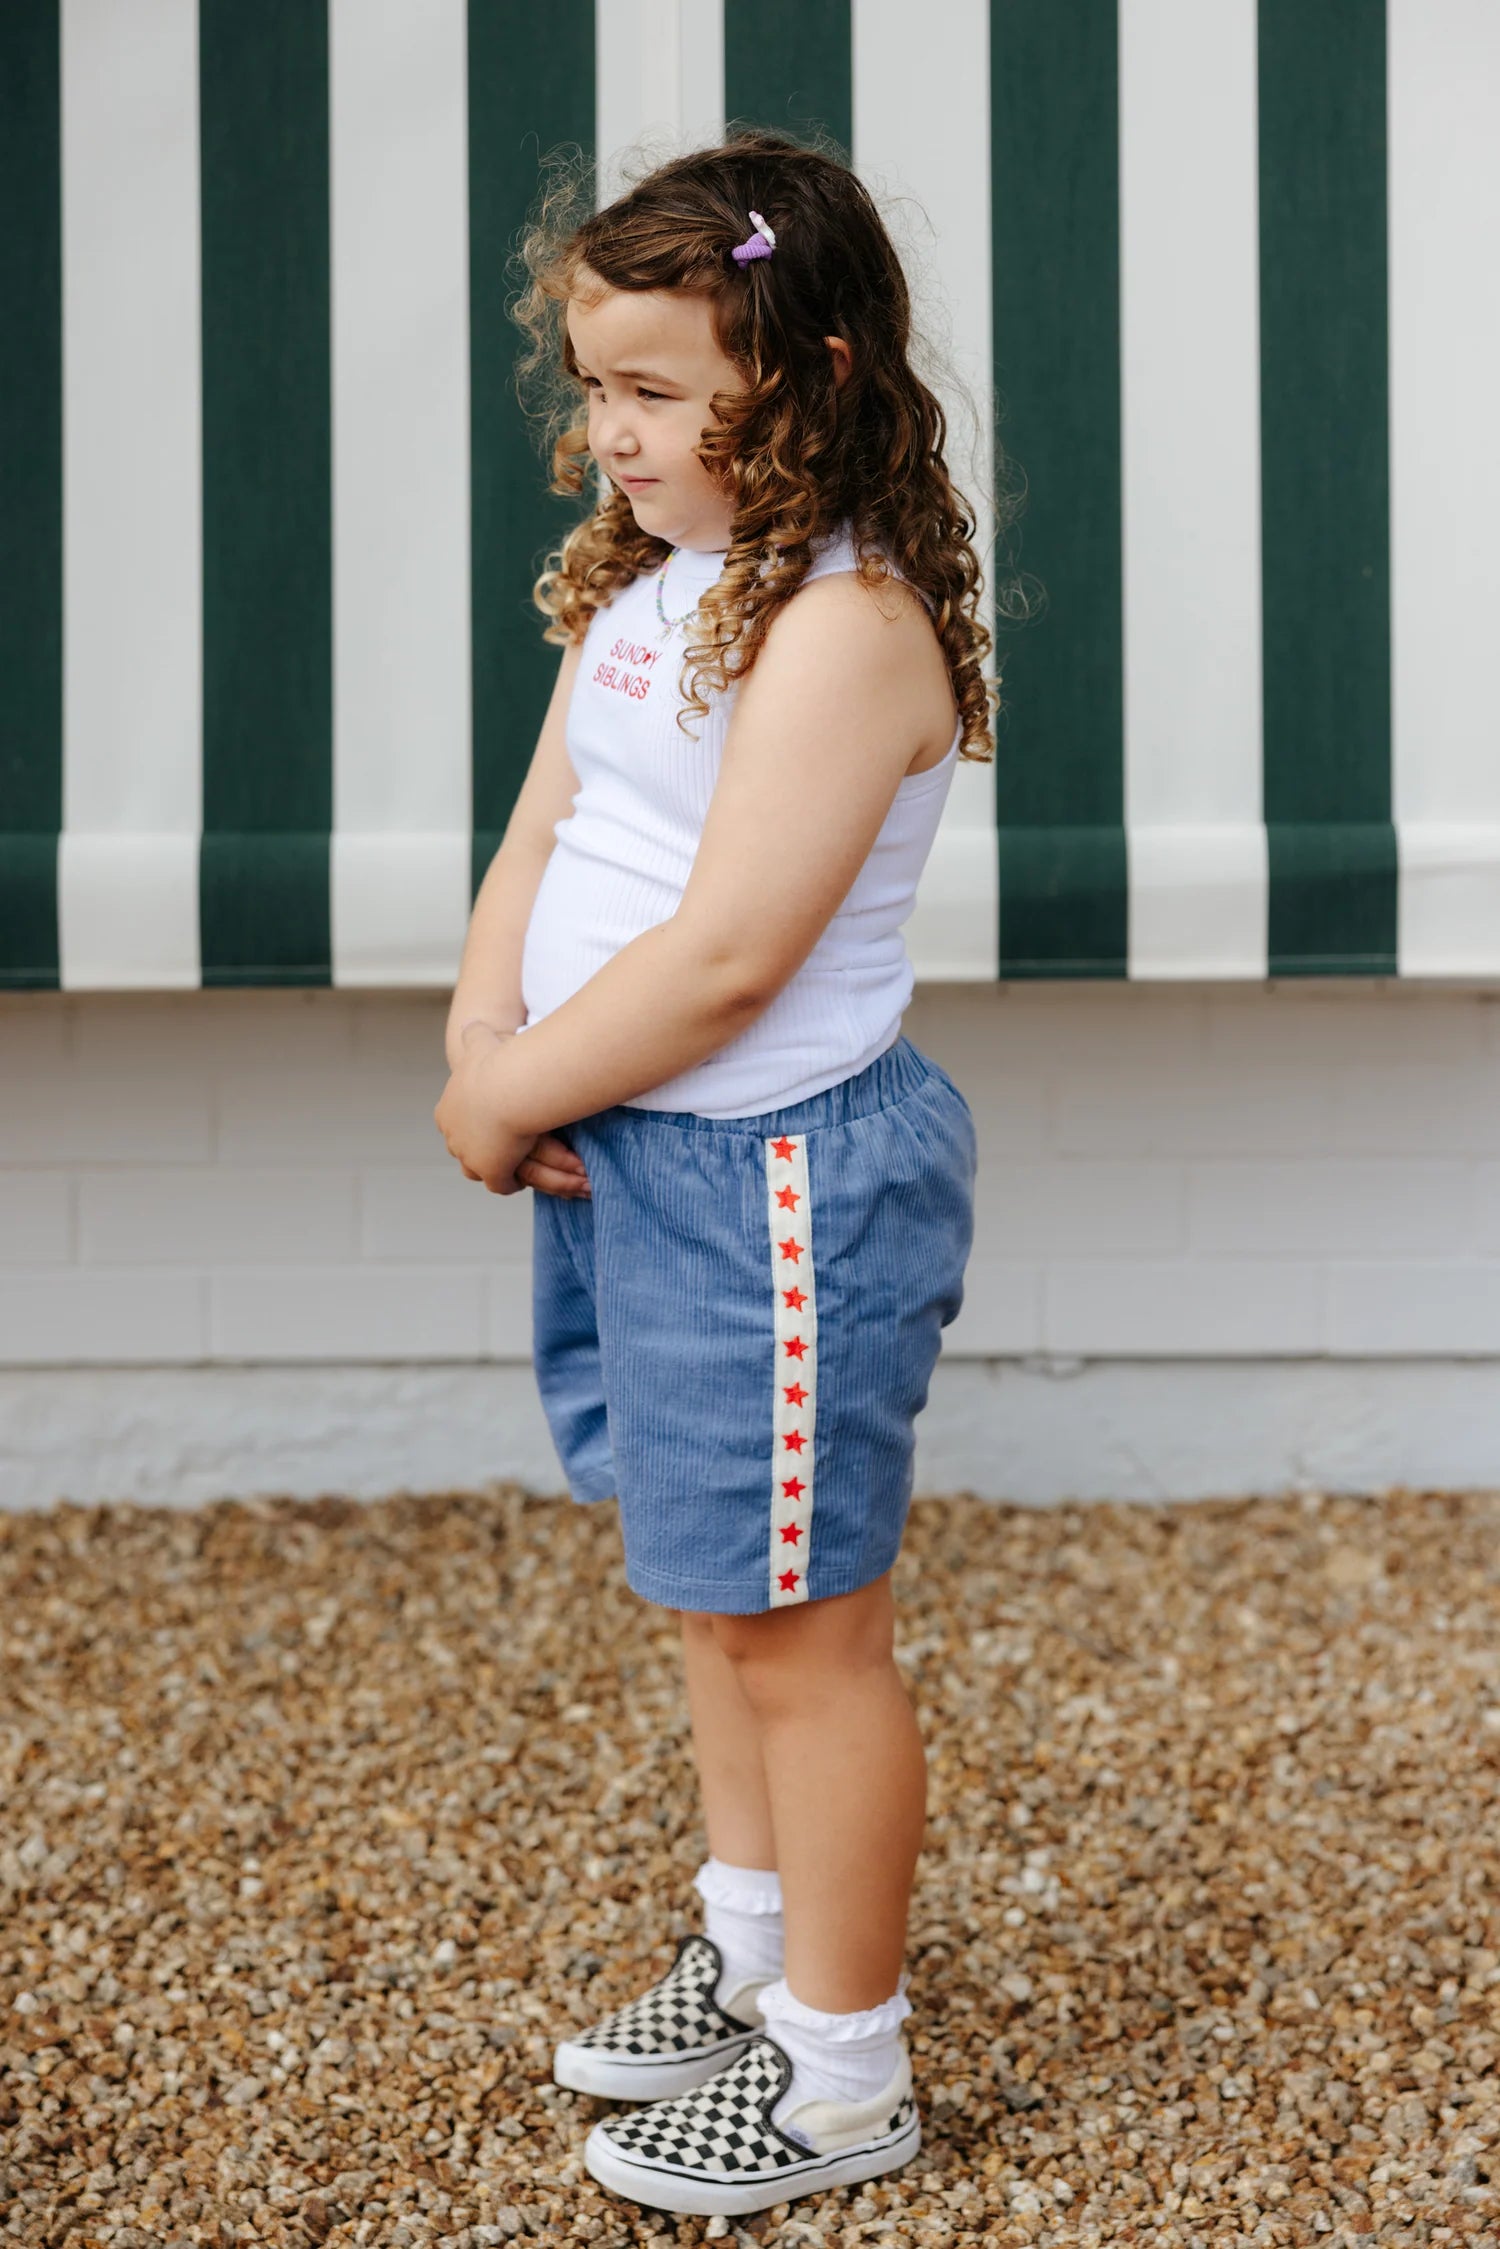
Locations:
(31, 490)
(1059, 776)
(267, 494)
(1325, 485)
(531, 89)
(789, 63)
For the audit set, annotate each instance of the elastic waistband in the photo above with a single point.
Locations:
(888, 1079)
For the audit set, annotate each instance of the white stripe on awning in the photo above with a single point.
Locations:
(921, 131)
(400, 315)
(1444, 200)
(132, 775)
(1189, 351)
(659, 70)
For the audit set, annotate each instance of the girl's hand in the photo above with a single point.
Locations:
(484, 1148)
(553, 1168)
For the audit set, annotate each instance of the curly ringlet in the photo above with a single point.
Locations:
(796, 453)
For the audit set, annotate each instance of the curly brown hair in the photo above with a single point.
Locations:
(796, 453)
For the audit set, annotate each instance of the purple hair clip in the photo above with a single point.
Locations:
(758, 245)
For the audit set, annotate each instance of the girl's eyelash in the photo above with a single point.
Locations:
(586, 380)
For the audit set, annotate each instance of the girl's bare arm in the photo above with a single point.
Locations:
(489, 972)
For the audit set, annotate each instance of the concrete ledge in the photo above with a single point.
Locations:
(1033, 1431)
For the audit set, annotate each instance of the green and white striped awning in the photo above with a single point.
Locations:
(1222, 277)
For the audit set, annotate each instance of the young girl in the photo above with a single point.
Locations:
(678, 1017)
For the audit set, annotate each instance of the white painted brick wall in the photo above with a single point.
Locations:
(1165, 1172)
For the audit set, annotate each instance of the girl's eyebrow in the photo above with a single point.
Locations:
(641, 374)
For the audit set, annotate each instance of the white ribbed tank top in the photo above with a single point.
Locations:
(623, 855)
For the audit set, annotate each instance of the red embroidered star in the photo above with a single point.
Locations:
(790, 1533)
(796, 1297)
(788, 1581)
(788, 1197)
(796, 1348)
(790, 1248)
(795, 1440)
(795, 1394)
(784, 1148)
(792, 1487)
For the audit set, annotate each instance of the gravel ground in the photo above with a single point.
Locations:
(320, 1821)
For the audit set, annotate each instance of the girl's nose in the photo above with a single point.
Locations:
(603, 432)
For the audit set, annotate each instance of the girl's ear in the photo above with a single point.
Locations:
(842, 359)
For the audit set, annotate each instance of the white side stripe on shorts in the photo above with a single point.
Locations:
(796, 1376)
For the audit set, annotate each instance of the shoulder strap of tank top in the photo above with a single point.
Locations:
(838, 553)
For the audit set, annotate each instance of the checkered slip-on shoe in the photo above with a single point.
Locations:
(715, 2152)
(670, 2039)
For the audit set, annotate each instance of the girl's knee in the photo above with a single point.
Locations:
(740, 1639)
(770, 1678)
(798, 1657)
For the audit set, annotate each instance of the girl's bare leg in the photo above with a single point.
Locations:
(845, 1782)
(726, 1750)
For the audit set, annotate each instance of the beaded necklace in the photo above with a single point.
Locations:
(668, 624)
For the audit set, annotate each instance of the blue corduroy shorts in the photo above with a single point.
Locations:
(735, 1333)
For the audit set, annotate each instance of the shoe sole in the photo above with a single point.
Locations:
(700, 2197)
(583, 2069)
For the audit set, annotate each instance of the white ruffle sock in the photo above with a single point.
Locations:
(742, 1916)
(833, 2057)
